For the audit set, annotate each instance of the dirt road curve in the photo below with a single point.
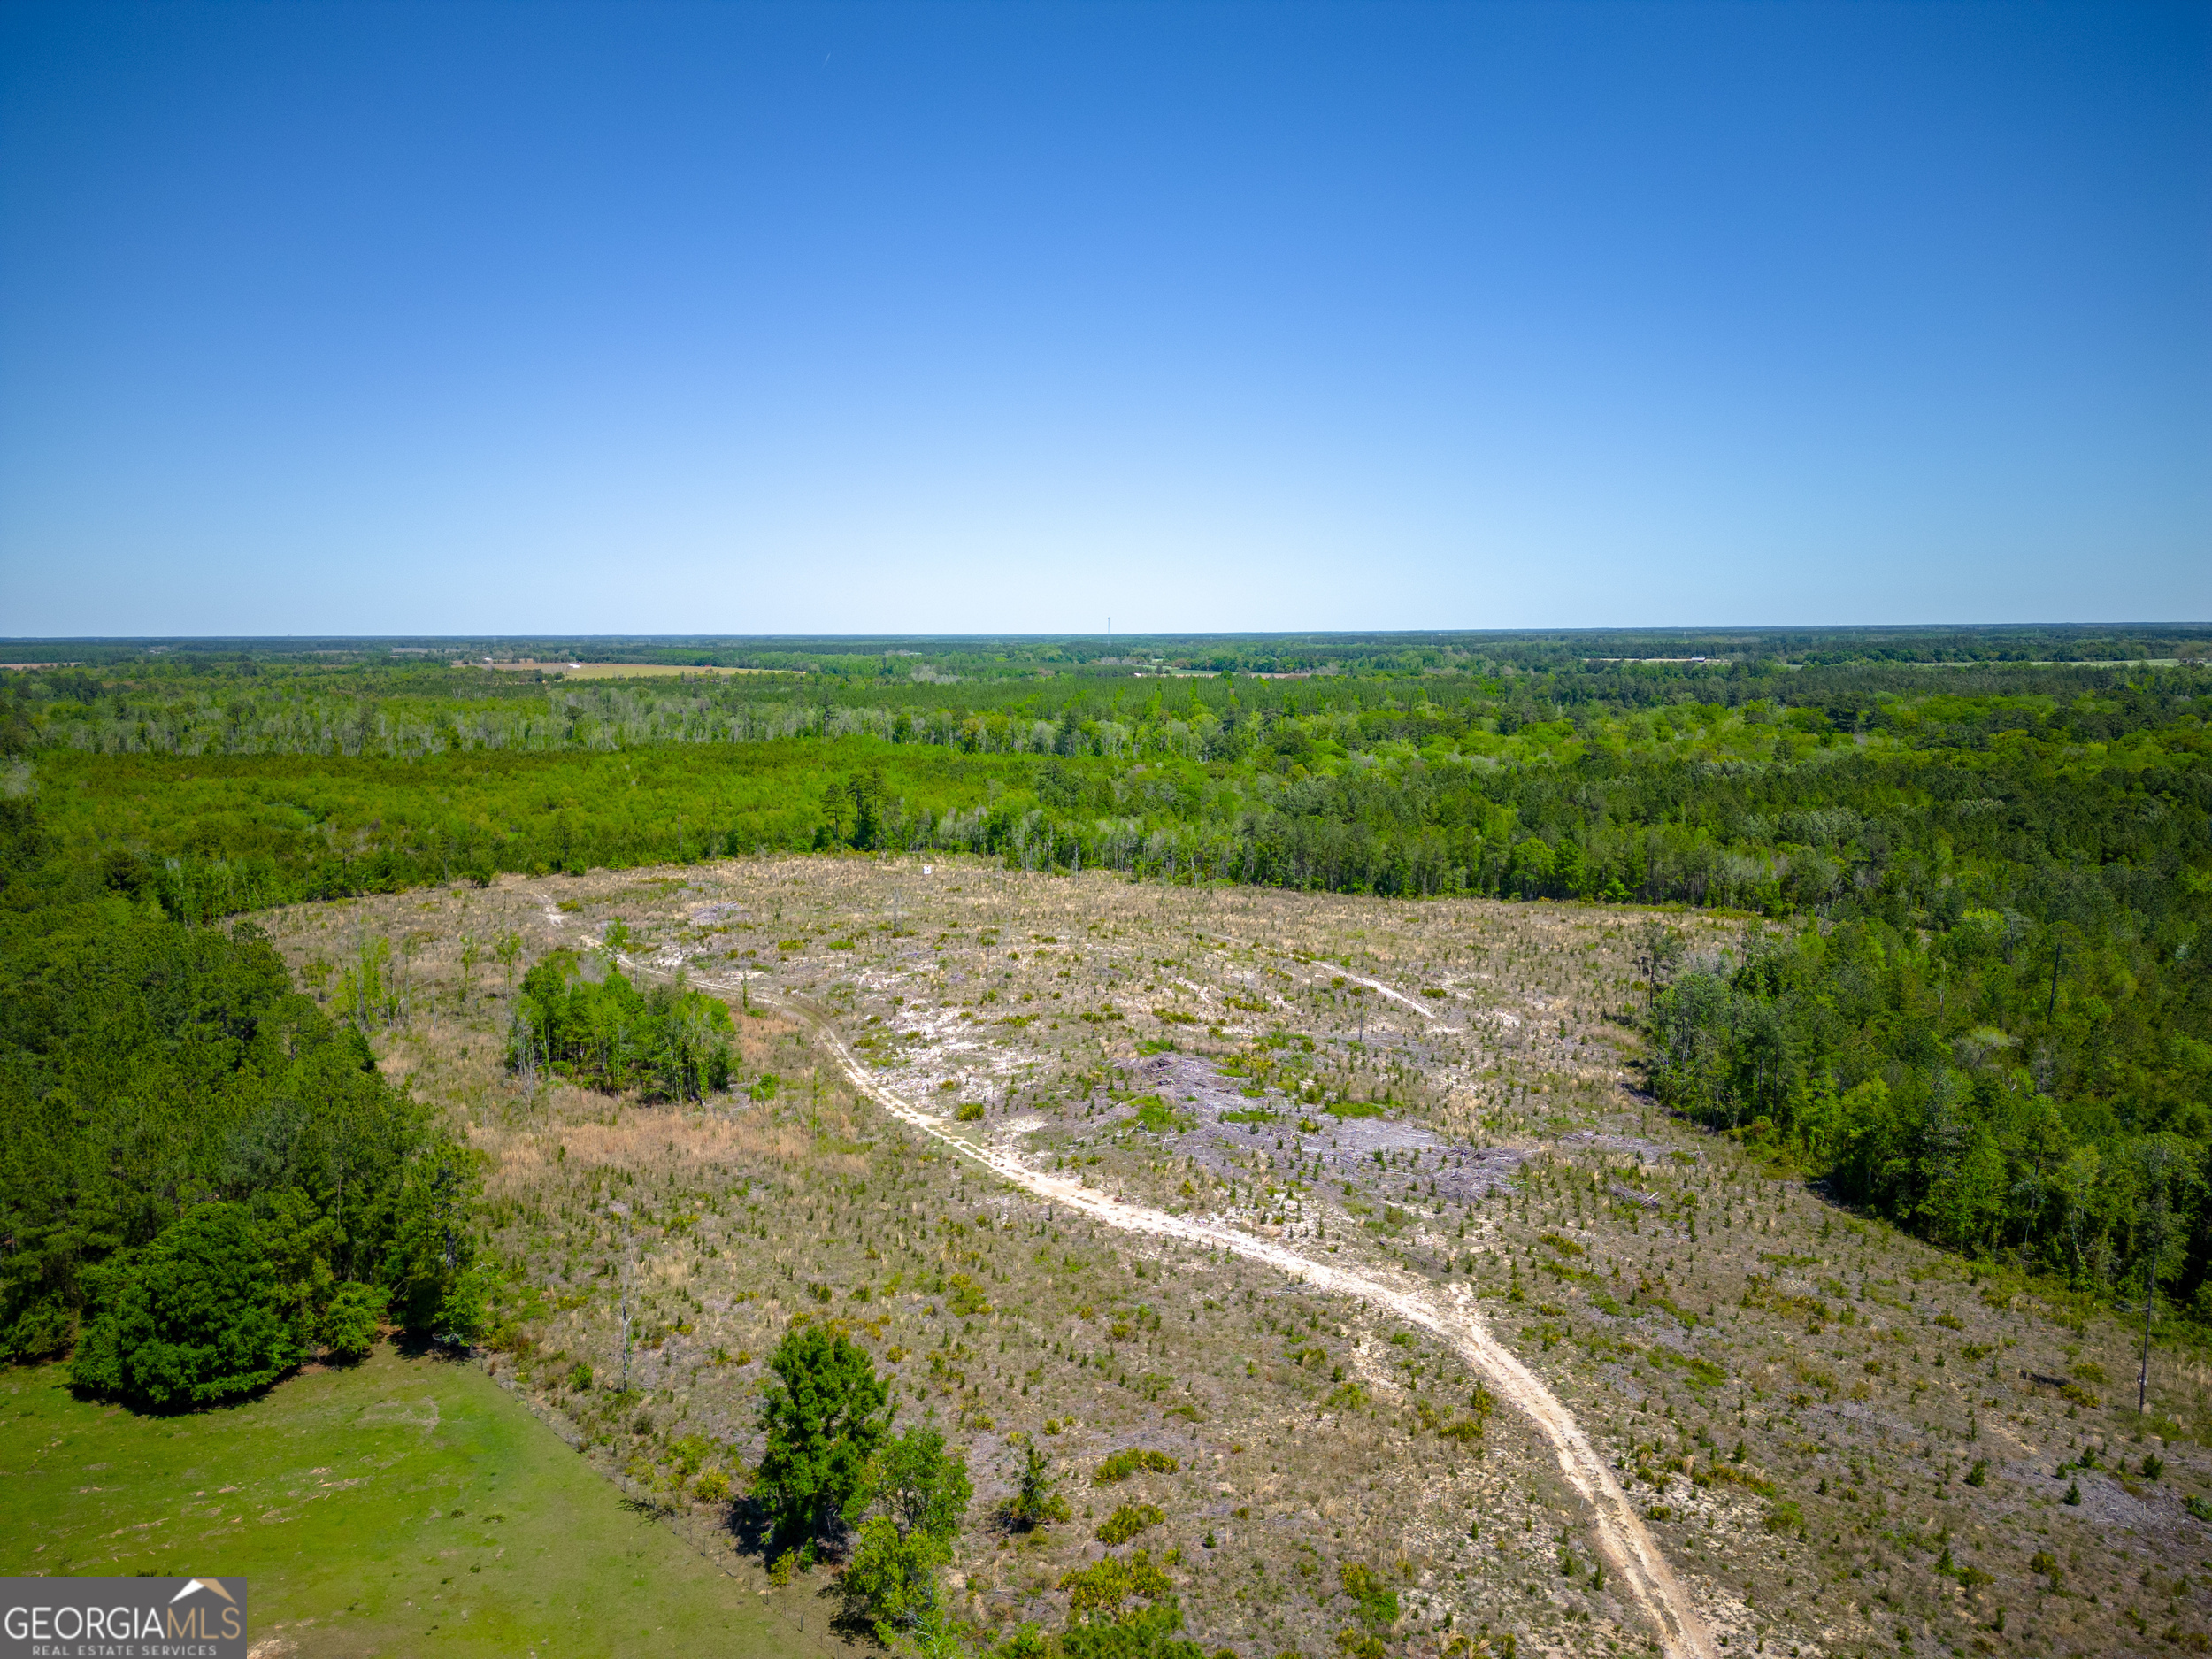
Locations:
(1629, 1552)
(1630, 1555)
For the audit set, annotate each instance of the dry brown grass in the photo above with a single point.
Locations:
(1679, 1296)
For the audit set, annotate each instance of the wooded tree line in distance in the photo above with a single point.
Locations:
(1982, 1010)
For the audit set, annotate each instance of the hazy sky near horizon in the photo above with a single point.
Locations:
(901, 318)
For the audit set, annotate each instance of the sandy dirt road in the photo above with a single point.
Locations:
(1622, 1540)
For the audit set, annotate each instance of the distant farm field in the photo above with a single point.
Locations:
(406, 1506)
(630, 671)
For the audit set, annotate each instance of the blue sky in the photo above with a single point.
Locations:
(889, 318)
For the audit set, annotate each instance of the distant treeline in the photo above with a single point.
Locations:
(1498, 787)
(1016, 656)
(416, 709)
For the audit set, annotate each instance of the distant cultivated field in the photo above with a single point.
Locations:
(404, 1506)
(628, 670)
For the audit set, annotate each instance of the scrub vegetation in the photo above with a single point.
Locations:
(1022, 1181)
(1836, 1431)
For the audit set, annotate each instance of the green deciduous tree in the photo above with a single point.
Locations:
(923, 1485)
(202, 1316)
(148, 1069)
(436, 1289)
(891, 1582)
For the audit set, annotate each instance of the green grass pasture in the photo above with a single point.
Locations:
(403, 1507)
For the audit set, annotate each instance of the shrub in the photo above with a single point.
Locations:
(1123, 1464)
(925, 1487)
(1156, 1114)
(1378, 1602)
(969, 1111)
(350, 1323)
(1108, 1583)
(1128, 1520)
(1786, 1517)
(891, 1584)
(1036, 1499)
(711, 1486)
(1144, 1633)
(199, 1318)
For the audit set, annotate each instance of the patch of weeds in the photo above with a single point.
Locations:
(1126, 1463)
(1128, 1520)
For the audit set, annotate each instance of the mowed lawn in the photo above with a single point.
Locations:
(401, 1507)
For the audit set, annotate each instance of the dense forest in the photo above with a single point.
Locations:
(1980, 862)
(202, 1179)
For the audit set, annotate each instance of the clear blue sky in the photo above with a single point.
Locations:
(701, 318)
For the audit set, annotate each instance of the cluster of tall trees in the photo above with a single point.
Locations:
(2020, 1069)
(202, 1179)
(667, 1042)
